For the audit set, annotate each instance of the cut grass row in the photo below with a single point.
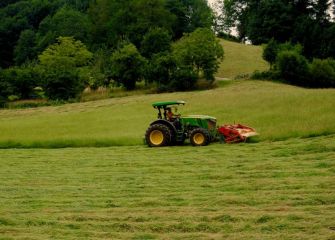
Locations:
(277, 111)
(271, 190)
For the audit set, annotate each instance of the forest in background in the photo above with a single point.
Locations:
(55, 48)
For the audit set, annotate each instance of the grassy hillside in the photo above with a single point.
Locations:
(277, 111)
(241, 59)
(280, 190)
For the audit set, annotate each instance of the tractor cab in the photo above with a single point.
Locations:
(168, 110)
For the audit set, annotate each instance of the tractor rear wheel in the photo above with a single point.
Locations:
(199, 137)
(158, 135)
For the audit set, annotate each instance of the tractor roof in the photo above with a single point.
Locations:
(168, 103)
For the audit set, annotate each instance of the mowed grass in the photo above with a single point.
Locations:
(240, 60)
(277, 111)
(271, 190)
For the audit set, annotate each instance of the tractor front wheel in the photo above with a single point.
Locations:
(199, 137)
(158, 135)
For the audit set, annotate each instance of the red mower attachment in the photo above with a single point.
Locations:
(235, 133)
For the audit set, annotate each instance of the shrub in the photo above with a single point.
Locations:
(270, 52)
(60, 65)
(200, 51)
(322, 73)
(160, 69)
(155, 41)
(21, 81)
(62, 84)
(183, 79)
(292, 67)
(127, 66)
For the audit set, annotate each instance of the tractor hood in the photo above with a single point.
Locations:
(200, 117)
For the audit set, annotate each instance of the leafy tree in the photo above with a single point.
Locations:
(5, 3)
(200, 51)
(67, 52)
(114, 20)
(62, 84)
(183, 79)
(127, 66)
(60, 64)
(66, 22)
(292, 67)
(25, 48)
(16, 17)
(270, 52)
(161, 69)
(6, 88)
(155, 41)
(20, 81)
(322, 73)
(190, 15)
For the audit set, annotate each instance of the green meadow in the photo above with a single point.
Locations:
(241, 60)
(277, 111)
(268, 190)
(81, 170)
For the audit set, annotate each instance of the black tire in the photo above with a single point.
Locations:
(158, 135)
(200, 137)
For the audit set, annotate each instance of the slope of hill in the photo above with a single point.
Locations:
(277, 111)
(241, 59)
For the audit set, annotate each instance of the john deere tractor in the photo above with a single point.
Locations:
(173, 129)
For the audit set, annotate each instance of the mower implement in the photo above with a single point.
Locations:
(171, 128)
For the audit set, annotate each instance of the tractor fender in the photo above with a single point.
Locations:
(166, 123)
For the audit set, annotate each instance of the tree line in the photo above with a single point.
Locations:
(299, 37)
(61, 46)
(54, 48)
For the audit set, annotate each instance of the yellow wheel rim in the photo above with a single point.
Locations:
(156, 137)
(199, 138)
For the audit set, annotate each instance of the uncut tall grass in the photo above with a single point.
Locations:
(277, 111)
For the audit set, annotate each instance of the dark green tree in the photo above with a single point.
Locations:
(161, 70)
(200, 51)
(66, 22)
(25, 48)
(270, 52)
(60, 64)
(127, 66)
(156, 40)
(292, 67)
(190, 15)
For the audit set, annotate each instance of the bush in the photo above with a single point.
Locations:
(62, 84)
(127, 66)
(292, 67)
(270, 52)
(160, 69)
(155, 41)
(183, 79)
(201, 51)
(21, 81)
(322, 73)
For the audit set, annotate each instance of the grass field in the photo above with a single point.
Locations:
(281, 186)
(278, 190)
(240, 60)
(277, 111)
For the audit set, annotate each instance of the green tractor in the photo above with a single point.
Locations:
(172, 129)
